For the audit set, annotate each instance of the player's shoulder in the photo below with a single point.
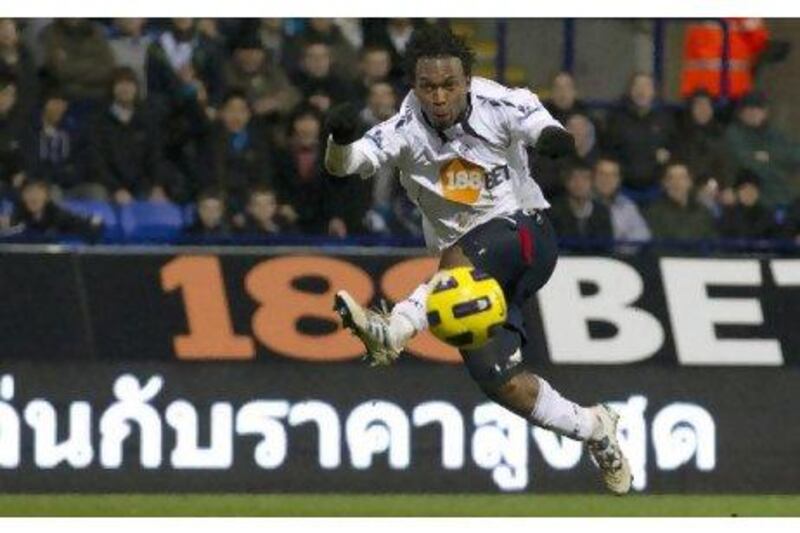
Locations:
(501, 98)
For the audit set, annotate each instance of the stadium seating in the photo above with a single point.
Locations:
(112, 230)
(150, 221)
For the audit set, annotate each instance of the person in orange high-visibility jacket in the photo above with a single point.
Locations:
(702, 56)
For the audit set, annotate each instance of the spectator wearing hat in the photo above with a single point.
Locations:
(266, 85)
(125, 149)
(37, 214)
(753, 143)
(677, 215)
(748, 218)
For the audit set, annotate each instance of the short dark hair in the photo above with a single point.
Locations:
(211, 193)
(235, 94)
(7, 77)
(437, 41)
(374, 47)
(260, 188)
(301, 111)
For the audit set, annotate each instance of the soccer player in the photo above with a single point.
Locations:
(460, 144)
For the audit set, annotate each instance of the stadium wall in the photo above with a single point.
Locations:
(201, 371)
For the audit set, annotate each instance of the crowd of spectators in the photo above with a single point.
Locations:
(225, 116)
(644, 171)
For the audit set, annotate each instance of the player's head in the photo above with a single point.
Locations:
(439, 66)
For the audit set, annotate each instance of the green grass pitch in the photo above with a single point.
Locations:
(397, 505)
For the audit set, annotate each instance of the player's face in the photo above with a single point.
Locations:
(441, 86)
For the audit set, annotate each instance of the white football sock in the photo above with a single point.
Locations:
(552, 411)
(409, 317)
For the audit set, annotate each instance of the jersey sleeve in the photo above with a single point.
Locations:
(381, 146)
(527, 117)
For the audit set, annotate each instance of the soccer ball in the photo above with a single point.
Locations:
(465, 307)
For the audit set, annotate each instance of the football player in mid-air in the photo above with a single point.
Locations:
(460, 144)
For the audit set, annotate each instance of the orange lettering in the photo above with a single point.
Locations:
(276, 321)
(211, 333)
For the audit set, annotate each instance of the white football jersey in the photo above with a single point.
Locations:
(463, 176)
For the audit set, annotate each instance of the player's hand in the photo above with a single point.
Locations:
(554, 143)
(343, 123)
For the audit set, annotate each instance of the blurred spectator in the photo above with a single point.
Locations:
(344, 57)
(78, 58)
(37, 213)
(640, 136)
(265, 84)
(261, 215)
(239, 155)
(302, 184)
(393, 34)
(577, 215)
(12, 124)
(749, 218)
(125, 151)
(381, 104)
(584, 133)
(678, 215)
(210, 219)
(53, 148)
(627, 222)
(563, 100)
(319, 85)
(129, 45)
(700, 144)
(375, 66)
(15, 59)
(754, 144)
(183, 58)
(272, 38)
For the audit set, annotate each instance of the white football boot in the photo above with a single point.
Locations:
(372, 327)
(605, 451)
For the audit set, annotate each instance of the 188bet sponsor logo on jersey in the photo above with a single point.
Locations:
(463, 181)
